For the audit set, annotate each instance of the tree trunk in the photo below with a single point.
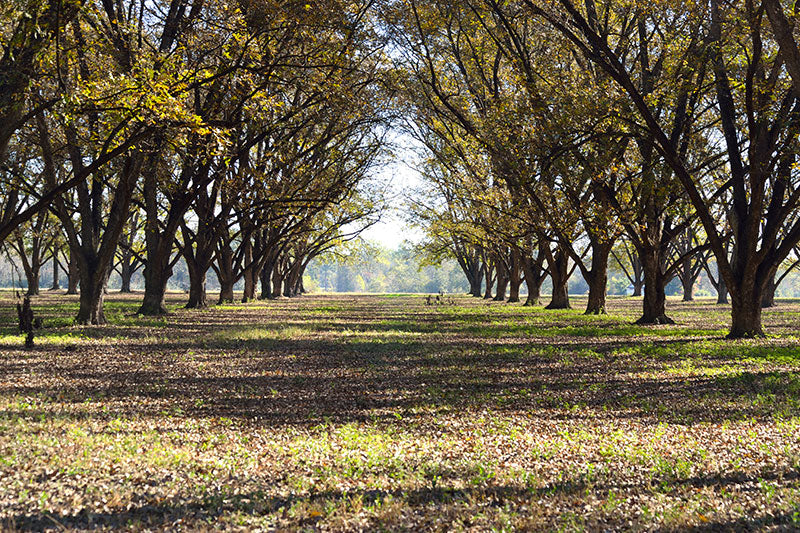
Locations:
(225, 275)
(598, 279)
(277, 280)
(32, 276)
(534, 294)
(92, 295)
(514, 277)
(534, 277)
(56, 285)
(638, 285)
(125, 274)
(249, 292)
(722, 292)
(226, 293)
(197, 285)
(288, 283)
(654, 305)
(266, 282)
(291, 283)
(638, 278)
(502, 283)
(559, 274)
(73, 274)
(248, 273)
(768, 297)
(489, 274)
(475, 286)
(299, 287)
(156, 277)
(687, 280)
(746, 312)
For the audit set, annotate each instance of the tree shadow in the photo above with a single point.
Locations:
(519, 498)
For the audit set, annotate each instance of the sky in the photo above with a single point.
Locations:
(401, 179)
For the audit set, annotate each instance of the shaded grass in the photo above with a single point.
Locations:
(362, 412)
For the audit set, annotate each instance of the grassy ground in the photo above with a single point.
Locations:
(379, 412)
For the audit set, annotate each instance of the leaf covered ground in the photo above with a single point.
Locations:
(347, 412)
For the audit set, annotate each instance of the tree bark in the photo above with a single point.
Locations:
(266, 282)
(56, 284)
(559, 275)
(489, 274)
(502, 283)
(33, 282)
(746, 312)
(514, 277)
(31, 268)
(156, 277)
(638, 285)
(598, 278)
(277, 280)
(654, 304)
(534, 277)
(125, 274)
(225, 275)
(768, 297)
(687, 280)
(92, 296)
(73, 274)
(475, 285)
(722, 291)
(292, 282)
(197, 284)
(248, 274)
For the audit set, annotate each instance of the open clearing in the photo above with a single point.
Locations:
(351, 412)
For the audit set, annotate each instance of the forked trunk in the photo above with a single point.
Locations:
(534, 277)
(654, 304)
(91, 298)
(33, 282)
